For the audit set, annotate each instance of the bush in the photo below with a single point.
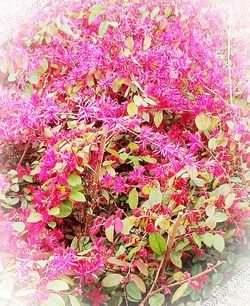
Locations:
(124, 154)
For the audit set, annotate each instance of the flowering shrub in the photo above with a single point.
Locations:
(125, 152)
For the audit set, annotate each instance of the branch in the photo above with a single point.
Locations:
(165, 258)
(180, 282)
(99, 161)
(171, 242)
(24, 152)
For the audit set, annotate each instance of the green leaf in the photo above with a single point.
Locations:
(220, 216)
(95, 10)
(44, 66)
(179, 292)
(54, 211)
(117, 262)
(74, 301)
(181, 245)
(28, 178)
(138, 100)
(208, 239)
(223, 189)
(231, 257)
(147, 43)
(229, 200)
(197, 239)
(194, 296)
(34, 217)
(52, 224)
(150, 101)
(77, 196)
(128, 223)
(109, 232)
(57, 285)
(19, 226)
(199, 182)
(133, 146)
(12, 77)
(66, 29)
(155, 196)
(133, 198)
(74, 243)
(157, 243)
(218, 243)
(190, 96)
(143, 268)
(167, 12)
(34, 79)
(74, 180)
(211, 222)
(176, 258)
(178, 276)
(149, 159)
(115, 300)
(132, 109)
(206, 292)
(157, 299)
(133, 292)
(123, 156)
(54, 300)
(229, 234)
(203, 122)
(163, 223)
(129, 43)
(154, 12)
(113, 24)
(112, 152)
(133, 251)
(65, 209)
(158, 117)
(103, 28)
(212, 143)
(225, 268)
(210, 210)
(196, 269)
(193, 172)
(145, 116)
(241, 261)
(139, 282)
(217, 278)
(112, 280)
(12, 173)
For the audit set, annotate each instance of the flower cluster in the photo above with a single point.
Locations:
(125, 155)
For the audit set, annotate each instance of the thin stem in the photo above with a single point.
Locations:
(154, 283)
(171, 242)
(132, 260)
(99, 162)
(180, 282)
(215, 93)
(165, 258)
(24, 152)
(223, 168)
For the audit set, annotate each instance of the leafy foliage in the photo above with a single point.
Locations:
(124, 156)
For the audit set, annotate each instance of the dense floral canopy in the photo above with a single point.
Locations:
(124, 145)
